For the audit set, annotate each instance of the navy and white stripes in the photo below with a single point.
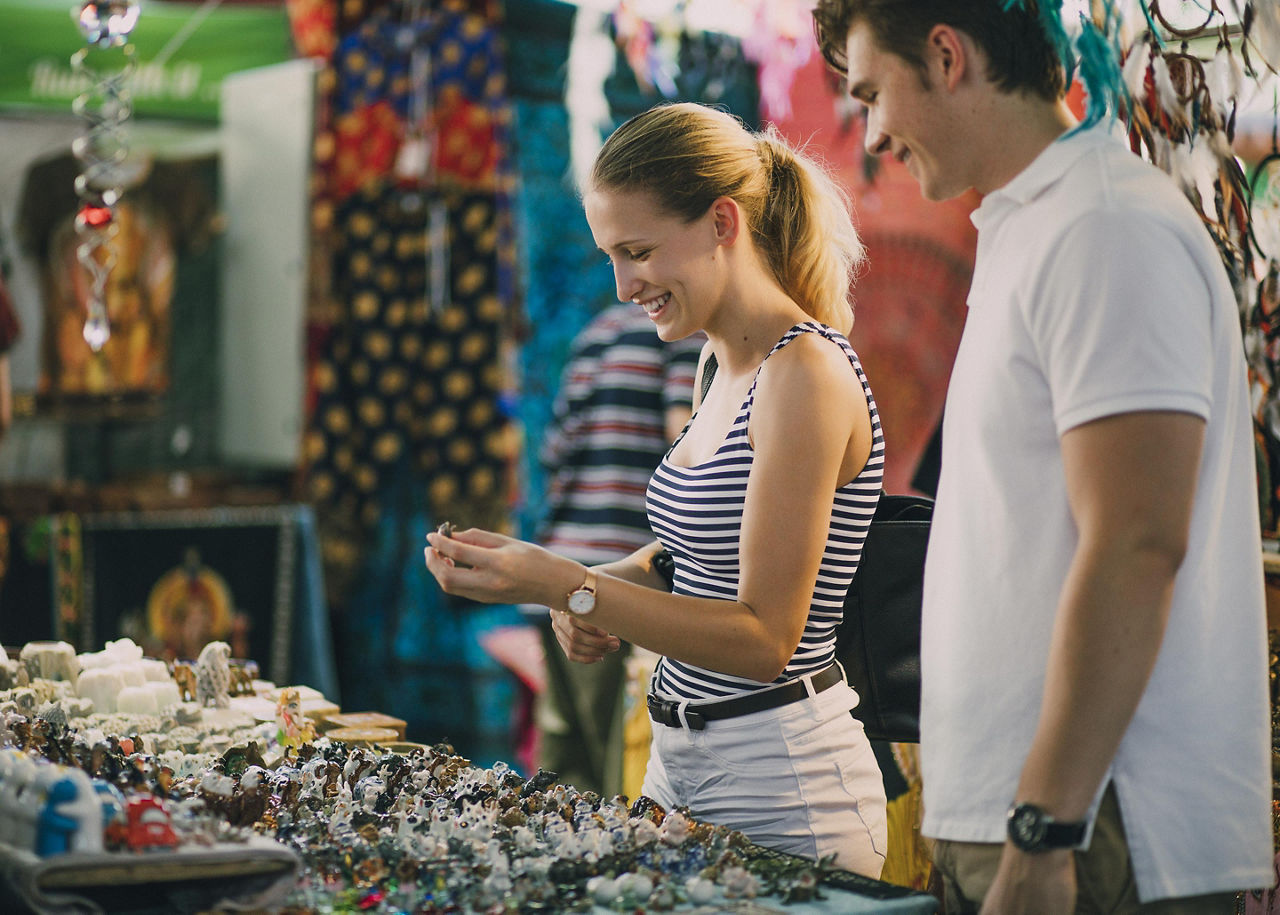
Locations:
(609, 431)
(696, 512)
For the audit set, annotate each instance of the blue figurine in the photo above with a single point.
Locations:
(70, 819)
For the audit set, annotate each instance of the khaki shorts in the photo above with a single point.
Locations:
(1104, 875)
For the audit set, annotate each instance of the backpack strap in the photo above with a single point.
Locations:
(708, 372)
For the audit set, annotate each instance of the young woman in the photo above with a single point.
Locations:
(763, 501)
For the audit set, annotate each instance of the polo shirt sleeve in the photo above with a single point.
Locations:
(1121, 319)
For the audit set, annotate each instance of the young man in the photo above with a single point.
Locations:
(1095, 711)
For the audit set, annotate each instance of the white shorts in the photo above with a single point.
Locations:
(800, 778)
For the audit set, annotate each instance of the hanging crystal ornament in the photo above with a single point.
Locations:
(105, 105)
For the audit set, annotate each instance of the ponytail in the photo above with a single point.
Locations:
(806, 233)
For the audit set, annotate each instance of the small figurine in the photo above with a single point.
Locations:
(17, 770)
(112, 802)
(185, 676)
(241, 680)
(149, 824)
(293, 728)
(250, 800)
(213, 675)
(71, 817)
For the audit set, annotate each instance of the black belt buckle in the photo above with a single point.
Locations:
(664, 711)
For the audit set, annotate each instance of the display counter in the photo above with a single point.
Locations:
(225, 799)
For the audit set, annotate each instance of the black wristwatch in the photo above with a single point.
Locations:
(1033, 830)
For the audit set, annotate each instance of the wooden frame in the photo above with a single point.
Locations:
(245, 566)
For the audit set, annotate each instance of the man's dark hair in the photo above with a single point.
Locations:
(1020, 56)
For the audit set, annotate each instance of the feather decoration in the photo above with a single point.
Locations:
(1100, 72)
(1134, 73)
(1204, 171)
(1236, 78)
(1221, 146)
(1182, 170)
(1266, 32)
(1217, 73)
(1166, 94)
(1266, 223)
(1161, 152)
(591, 61)
(1097, 58)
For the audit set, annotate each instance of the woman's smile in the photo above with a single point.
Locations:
(653, 307)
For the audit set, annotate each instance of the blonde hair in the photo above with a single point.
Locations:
(688, 155)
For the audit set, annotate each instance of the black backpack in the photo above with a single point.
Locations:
(878, 642)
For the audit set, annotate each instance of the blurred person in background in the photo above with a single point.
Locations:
(624, 396)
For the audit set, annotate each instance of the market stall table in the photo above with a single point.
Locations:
(241, 798)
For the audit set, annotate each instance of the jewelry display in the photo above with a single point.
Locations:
(374, 830)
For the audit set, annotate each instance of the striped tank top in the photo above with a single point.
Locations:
(696, 513)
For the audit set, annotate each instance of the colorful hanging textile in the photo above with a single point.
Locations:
(414, 218)
(461, 102)
(313, 24)
(408, 378)
(366, 142)
(780, 42)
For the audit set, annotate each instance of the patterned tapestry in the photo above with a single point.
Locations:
(410, 398)
(407, 364)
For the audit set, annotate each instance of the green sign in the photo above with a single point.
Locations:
(183, 51)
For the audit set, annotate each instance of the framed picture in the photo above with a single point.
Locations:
(174, 580)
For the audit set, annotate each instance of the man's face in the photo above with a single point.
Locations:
(906, 113)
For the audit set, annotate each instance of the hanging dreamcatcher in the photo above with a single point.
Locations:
(1180, 107)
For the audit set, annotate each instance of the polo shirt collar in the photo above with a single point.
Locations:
(1044, 171)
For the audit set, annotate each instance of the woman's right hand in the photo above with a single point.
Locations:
(581, 641)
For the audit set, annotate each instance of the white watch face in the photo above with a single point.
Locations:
(582, 601)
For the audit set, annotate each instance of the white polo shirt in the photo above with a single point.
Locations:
(1097, 291)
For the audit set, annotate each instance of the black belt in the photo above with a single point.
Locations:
(695, 718)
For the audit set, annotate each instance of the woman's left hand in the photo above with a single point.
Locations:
(496, 569)
(580, 641)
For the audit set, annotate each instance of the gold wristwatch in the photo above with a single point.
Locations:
(583, 599)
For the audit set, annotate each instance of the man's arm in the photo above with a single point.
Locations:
(1131, 483)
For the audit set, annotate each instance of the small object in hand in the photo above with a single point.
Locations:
(446, 529)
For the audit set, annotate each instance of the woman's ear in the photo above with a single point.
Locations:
(726, 218)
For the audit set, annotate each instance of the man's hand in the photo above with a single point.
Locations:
(1032, 884)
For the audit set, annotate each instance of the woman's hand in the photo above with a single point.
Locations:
(581, 641)
(496, 569)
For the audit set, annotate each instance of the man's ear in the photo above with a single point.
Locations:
(947, 55)
(726, 218)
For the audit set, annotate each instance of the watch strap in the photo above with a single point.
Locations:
(1032, 829)
(1063, 835)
